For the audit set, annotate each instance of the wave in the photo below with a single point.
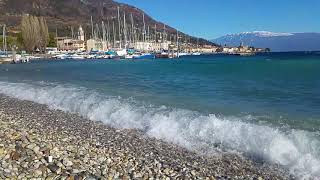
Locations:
(297, 150)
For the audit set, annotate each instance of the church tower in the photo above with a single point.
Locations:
(81, 34)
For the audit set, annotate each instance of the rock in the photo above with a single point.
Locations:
(49, 159)
(37, 173)
(137, 175)
(15, 155)
(75, 171)
(53, 168)
(67, 162)
(36, 149)
(59, 164)
(166, 171)
(31, 146)
(71, 177)
(109, 161)
(193, 173)
(2, 152)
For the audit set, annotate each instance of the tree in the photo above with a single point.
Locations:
(44, 34)
(52, 40)
(28, 33)
(34, 33)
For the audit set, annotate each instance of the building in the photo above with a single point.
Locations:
(96, 45)
(151, 46)
(72, 44)
(81, 34)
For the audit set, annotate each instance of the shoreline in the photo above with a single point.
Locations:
(43, 143)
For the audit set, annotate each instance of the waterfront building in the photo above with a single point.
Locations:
(95, 45)
(72, 44)
(69, 44)
(151, 46)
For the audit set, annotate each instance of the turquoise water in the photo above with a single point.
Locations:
(267, 105)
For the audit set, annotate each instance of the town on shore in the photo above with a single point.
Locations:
(117, 39)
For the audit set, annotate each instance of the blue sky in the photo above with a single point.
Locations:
(213, 18)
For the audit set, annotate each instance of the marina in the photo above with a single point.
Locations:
(119, 39)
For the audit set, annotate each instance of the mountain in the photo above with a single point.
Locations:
(63, 14)
(277, 42)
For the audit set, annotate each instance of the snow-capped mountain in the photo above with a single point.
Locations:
(274, 40)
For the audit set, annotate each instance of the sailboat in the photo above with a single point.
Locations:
(122, 52)
(198, 52)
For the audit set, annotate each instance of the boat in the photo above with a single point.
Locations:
(196, 54)
(122, 52)
(145, 56)
(75, 57)
(129, 56)
(61, 56)
(182, 54)
(162, 55)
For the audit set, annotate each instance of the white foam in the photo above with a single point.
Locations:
(298, 150)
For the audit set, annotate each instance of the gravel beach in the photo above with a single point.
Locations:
(37, 142)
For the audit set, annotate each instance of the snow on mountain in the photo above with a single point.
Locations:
(267, 33)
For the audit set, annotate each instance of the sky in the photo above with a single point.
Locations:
(214, 18)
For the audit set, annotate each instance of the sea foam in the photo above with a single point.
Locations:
(297, 150)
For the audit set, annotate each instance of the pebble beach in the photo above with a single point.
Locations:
(40, 143)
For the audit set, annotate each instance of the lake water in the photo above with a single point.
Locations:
(265, 106)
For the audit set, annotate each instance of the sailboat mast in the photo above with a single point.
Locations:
(198, 44)
(108, 33)
(114, 35)
(177, 43)
(120, 46)
(104, 37)
(57, 36)
(144, 29)
(71, 32)
(4, 39)
(91, 27)
(3, 34)
(155, 35)
(164, 33)
(125, 30)
(97, 32)
(132, 29)
(148, 34)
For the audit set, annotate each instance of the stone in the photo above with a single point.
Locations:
(58, 163)
(138, 175)
(193, 173)
(67, 162)
(36, 149)
(75, 171)
(15, 155)
(53, 168)
(49, 159)
(37, 173)
(2, 153)
(109, 161)
(167, 171)
(31, 146)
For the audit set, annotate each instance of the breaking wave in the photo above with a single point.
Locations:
(297, 150)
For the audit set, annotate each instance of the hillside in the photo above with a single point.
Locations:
(63, 14)
(277, 42)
